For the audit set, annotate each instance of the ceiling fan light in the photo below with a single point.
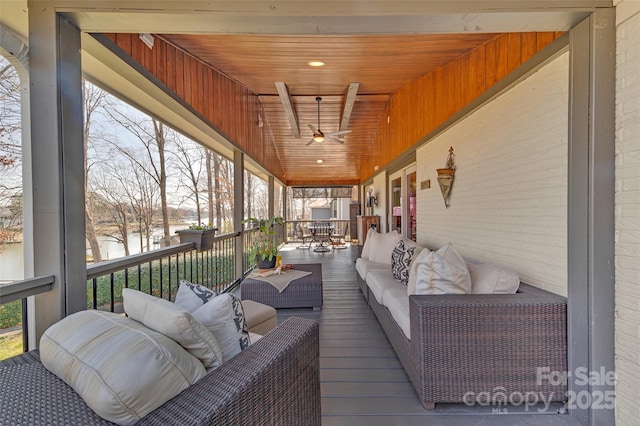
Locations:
(318, 138)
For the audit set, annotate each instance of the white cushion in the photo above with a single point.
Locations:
(379, 282)
(439, 272)
(191, 296)
(174, 322)
(364, 266)
(122, 369)
(491, 279)
(367, 244)
(382, 247)
(397, 301)
(224, 317)
(254, 337)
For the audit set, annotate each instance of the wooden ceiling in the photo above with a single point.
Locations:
(382, 64)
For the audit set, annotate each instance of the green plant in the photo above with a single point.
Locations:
(264, 244)
(201, 227)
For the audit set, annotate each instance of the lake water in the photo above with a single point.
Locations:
(11, 262)
(12, 258)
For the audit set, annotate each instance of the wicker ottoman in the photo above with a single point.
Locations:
(305, 292)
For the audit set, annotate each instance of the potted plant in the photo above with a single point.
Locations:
(265, 247)
(202, 235)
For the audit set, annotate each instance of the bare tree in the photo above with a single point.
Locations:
(10, 116)
(223, 192)
(114, 196)
(130, 198)
(145, 204)
(190, 156)
(11, 207)
(93, 99)
(217, 168)
(256, 196)
(210, 180)
(154, 137)
(248, 194)
(260, 197)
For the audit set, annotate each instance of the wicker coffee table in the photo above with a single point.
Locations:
(305, 292)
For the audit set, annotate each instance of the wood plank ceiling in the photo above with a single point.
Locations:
(382, 64)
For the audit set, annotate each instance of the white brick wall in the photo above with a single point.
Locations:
(508, 203)
(627, 226)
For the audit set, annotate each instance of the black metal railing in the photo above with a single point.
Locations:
(15, 293)
(156, 272)
(159, 272)
(248, 238)
(297, 229)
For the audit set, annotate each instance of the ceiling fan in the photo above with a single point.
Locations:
(320, 136)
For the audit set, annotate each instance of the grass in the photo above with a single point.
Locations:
(10, 345)
(10, 314)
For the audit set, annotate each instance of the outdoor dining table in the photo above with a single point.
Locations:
(321, 231)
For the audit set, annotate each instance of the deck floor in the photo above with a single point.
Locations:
(362, 380)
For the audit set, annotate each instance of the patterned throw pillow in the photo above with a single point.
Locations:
(241, 323)
(191, 296)
(223, 316)
(401, 261)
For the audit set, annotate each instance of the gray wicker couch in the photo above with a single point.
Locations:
(480, 348)
(276, 381)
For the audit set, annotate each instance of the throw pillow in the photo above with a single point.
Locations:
(382, 247)
(491, 279)
(191, 296)
(223, 316)
(174, 322)
(122, 369)
(401, 260)
(439, 272)
(366, 248)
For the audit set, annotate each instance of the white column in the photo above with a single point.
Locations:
(57, 153)
(591, 214)
(271, 190)
(238, 208)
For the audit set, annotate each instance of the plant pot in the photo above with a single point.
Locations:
(266, 263)
(202, 238)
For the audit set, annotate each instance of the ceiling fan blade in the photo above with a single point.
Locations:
(332, 139)
(310, 142)
(313, 129)
(337, 133)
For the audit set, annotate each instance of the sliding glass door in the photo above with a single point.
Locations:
(402, 202)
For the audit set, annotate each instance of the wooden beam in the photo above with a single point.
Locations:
(347, 107)
(311, 100)
(285, 98)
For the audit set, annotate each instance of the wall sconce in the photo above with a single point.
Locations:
(372, 200)
(445, 177)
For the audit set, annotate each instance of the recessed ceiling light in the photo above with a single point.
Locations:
(316, 63)
(319, 161)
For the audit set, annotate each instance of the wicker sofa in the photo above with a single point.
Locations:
(472, 348)
(274, 381)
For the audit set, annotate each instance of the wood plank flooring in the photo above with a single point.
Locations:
(362, 380)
